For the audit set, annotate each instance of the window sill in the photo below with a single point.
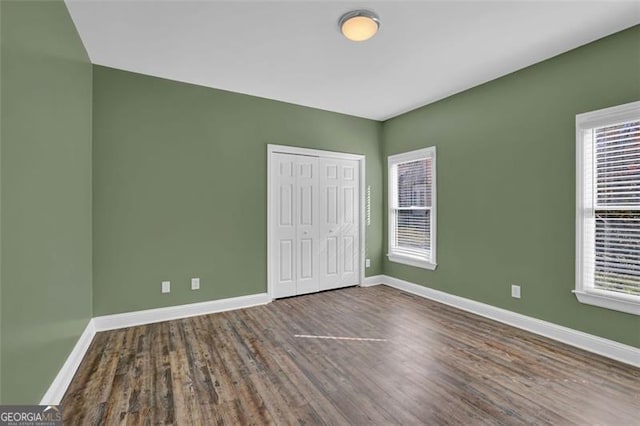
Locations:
(610, 302)
(412, 261)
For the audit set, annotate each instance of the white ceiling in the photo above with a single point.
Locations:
(293, 51)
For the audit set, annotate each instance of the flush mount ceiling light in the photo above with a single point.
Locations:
(359, 25)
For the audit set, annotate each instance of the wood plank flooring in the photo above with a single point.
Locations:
(431, 364)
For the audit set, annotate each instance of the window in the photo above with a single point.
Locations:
(412, 208)
(608, 208)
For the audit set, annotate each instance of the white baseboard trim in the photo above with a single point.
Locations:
(599, 345)
(58, 387)
(372, 280)
(130, 319)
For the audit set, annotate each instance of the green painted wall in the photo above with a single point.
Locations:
(178, 179)
(506, 183)
(45, 178)
(179, 187)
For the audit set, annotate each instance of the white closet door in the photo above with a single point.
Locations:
(284, 241)
(307, 224)
(330, 263)
(339, 224)
(315, 232)
(349, 250)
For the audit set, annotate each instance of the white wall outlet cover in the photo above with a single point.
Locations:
(195, 283)
(166, 286)
(515, 291)
(367, 263)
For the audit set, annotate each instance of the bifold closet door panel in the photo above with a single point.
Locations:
(307, 185)
(349, 250)
(284, 217)
(339, 223)
(330, 219)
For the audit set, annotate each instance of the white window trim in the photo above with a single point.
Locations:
(584, 291)
(405, 259)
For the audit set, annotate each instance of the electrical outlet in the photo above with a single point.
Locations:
(166, 286)
(367, 263)
(195, 283)
(515, 291)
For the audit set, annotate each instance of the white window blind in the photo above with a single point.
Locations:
(617, 207)
(412, 208)
(609, 206)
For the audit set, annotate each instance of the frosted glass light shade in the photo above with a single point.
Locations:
(359, 25)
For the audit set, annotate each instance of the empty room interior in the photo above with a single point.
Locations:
(320, 212)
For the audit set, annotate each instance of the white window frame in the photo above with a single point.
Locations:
(392, 161)
(584, 290)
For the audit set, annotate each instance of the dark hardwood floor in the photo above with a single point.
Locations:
(429, 364)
